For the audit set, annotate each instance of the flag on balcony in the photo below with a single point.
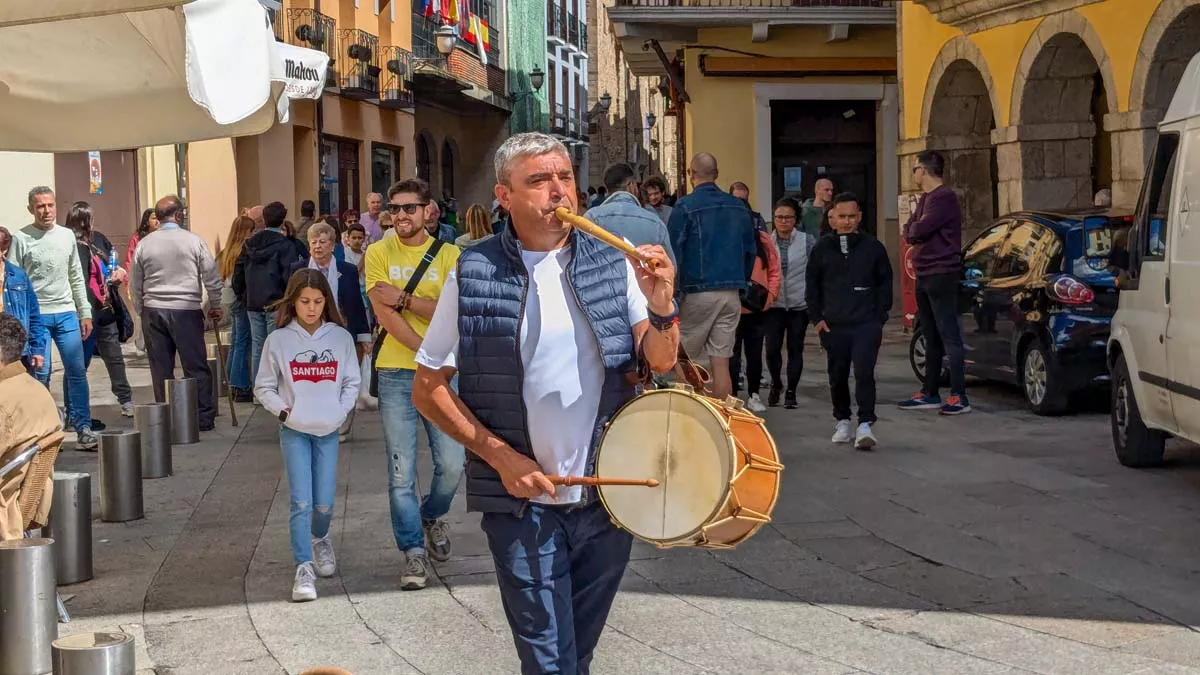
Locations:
(453, 14)
(483, 34)
(471, 36)
(479, 43)
(426, 8)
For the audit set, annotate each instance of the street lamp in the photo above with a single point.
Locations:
(536, 78)
(650, 120)
(605, 102)
(445, 37)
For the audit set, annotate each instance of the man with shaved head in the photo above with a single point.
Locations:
(255, 213)
(813, 210)
(712, 234)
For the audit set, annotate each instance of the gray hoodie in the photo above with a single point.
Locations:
(791, 290)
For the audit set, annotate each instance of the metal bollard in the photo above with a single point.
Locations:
(120, 476)
(185, 416)
(71, 527)
(28, 622)
(153, 422)
(94, 654)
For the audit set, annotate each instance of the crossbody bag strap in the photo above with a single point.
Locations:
(413, 281)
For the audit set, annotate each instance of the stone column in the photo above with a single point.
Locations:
(1044, 166)
(1133, 136)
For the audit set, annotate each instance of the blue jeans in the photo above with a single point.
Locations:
(237, 367)
(558, 570)
(400, 419)
(261, 325)
(311, 464)
(63, 328)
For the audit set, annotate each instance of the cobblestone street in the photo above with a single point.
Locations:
(997, 542)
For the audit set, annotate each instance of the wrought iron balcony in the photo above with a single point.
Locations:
(360, 69)
(572, 29)
(558, 122)
(975, 15)
(556, 30)
(583, 36)
(573, 123)
(396, 92)
(314, 30)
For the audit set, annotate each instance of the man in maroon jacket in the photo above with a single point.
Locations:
(935, 230)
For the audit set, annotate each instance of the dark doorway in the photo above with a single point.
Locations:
(825, 139)
(385, 167)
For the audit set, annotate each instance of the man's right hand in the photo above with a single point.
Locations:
(386, 294)
(523, 477)
(821, 327)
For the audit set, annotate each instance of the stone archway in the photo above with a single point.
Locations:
(427, 159)
(1167, 45)
(1053, 156)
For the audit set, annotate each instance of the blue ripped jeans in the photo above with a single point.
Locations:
(400, 420)
(311, 464)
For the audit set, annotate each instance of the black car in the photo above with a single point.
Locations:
(1037, 296)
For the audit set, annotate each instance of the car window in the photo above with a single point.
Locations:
(1155, 204)
(1029, 248)
(980, 254)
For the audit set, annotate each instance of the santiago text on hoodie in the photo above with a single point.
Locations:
(316, 376)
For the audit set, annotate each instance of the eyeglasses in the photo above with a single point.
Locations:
(410, 209)
(786, 219)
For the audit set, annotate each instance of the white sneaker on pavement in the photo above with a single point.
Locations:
(864, 439)
(844, 433)
(127, 409)
(323, 557)
(416, 571)
(305, 586)
(755, 405)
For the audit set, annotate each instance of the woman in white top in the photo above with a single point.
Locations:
(309, 379)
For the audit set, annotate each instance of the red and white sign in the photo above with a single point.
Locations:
(314, 372)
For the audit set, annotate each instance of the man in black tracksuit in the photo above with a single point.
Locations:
(849, 295)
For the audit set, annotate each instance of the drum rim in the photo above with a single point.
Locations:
(728, 488)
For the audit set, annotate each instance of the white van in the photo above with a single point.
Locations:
(1154, 346)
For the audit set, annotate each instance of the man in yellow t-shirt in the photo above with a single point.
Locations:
(390, 263)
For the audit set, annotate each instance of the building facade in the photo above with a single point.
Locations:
(1040, 105)
(782, 93)
(639, 125)
(566, 87)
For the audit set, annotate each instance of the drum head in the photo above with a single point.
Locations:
(676, 438)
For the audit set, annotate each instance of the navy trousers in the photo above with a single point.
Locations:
(559, 570)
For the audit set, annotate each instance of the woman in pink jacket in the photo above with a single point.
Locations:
(760, 294)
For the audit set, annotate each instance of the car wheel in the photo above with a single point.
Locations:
(1136, 444)
(1041, 382)
(916, 358)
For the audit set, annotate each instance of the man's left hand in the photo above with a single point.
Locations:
(37, 361)
(657, 283)
(85, 328)
(119, 276)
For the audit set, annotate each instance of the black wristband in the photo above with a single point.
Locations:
(660, 322)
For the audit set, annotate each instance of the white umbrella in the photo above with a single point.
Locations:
(81, 75)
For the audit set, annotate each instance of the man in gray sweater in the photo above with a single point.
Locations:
(172, 268)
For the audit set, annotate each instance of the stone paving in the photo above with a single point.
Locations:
(997, 542)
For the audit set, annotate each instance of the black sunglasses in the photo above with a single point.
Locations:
(410, 209)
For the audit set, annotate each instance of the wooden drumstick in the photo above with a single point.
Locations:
(597, 480)
(581, 223)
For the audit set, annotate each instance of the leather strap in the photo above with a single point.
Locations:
(696, 375)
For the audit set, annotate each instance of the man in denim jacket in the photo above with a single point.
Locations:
(623, 215)
(712, 234)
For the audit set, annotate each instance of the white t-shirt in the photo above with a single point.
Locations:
(563, 369)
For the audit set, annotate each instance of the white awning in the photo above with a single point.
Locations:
(305, 70)
(109, 74)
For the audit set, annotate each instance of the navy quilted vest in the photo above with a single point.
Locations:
(492, 284)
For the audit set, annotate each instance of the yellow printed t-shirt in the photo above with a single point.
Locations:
(392, 262)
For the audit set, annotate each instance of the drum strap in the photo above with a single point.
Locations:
(695, 374)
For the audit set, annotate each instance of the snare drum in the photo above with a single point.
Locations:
(718, 469)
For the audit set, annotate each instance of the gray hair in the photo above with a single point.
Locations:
(39, 190)
(317, 229)
(529, 144)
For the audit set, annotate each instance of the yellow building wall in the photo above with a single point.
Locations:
(720, 117)
(212, 190)
(1119, 24)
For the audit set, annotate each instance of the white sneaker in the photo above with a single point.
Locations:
(844, 432)
(127, 409)
(304, 588)
(755, 405)
(323, 557)
(864, 439)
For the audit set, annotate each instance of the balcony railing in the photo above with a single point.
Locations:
(583, 40)
(830, 4)
(572, 29)
(277, 19)
(314, 30)
(558, 122)
(573, 123)
(423, 41)
(397, 78)
(360, 69)
(556, 29)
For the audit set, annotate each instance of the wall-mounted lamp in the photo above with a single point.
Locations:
(651, 118)
(605, 102)
(445, 36)
(536, 79)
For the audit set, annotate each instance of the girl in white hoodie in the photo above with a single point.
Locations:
(309, 379)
